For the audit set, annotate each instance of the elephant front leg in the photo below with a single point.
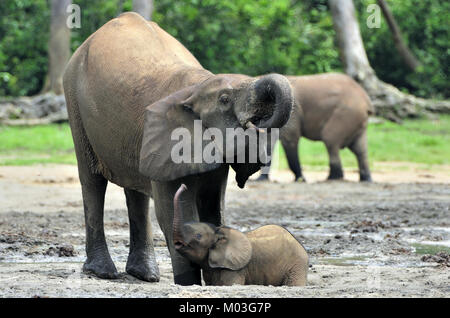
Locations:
(141, 260)
(184, 272)
(264, 176)
(291, 150)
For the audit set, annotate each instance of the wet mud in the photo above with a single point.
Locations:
(384, 239)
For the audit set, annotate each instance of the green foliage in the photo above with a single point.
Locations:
(93, 15)
(242, 36)
(420, 141)
(252, 37)
(425, 29)
(226, 36)
(24, 28)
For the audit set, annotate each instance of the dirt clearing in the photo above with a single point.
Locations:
(390, 238)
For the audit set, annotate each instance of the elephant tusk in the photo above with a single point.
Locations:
(251, 125)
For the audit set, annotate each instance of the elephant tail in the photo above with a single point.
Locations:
(370, 107)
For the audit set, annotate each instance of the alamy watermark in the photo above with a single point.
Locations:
(374, 19)
(210, 145)
(74, 19)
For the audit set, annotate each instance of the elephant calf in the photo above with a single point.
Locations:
(269, 255)
(332, 108)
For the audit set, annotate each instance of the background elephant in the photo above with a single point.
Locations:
(332, 108)
(127, 87)
(268, 255)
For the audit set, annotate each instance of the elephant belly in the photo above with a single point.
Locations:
(115, 141)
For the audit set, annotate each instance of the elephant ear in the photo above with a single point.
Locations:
(169, 124)
(232, 250)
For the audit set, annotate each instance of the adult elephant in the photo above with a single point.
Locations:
(332, 108)
(128, 87)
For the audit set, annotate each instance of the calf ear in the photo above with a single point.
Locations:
(172, 115)
(232, 250)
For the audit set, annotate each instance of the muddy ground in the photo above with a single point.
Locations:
(390, 238)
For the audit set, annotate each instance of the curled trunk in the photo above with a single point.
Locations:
(269, 103)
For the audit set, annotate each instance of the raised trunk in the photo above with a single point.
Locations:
(178, 216)
(387, 100)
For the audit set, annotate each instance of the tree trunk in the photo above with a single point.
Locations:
(119, 8)
(387, 100)
(58, 46)
(402, 49)
(144, 8)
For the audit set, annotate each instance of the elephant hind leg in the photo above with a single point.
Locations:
(98, 261)
(93, 188)
(296, 276)
(359, 148)
(336, 171)
(335, 134)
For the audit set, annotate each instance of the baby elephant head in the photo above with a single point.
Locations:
(207, 245)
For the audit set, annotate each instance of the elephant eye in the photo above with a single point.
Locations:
(224, 99)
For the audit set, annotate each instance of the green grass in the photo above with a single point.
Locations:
(420, 141)
(422, 249)
(38, 144)
(342, 261)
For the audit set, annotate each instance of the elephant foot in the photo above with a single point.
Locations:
(300, 179)
(334, 178)
(336, 173)
(365, 178)
(143, 267)
(188, 278)
(262, 178)
(102, 267)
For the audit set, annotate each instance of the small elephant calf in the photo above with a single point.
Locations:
(268, 255)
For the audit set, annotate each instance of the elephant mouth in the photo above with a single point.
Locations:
(179, 245)
(250, 125)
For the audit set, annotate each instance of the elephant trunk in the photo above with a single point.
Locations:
(178, 217)
(269, 103)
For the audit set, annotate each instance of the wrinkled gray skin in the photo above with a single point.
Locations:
(127, 87)
(331, 108)
(268, 255)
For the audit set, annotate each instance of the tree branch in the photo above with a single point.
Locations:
(410, 60)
